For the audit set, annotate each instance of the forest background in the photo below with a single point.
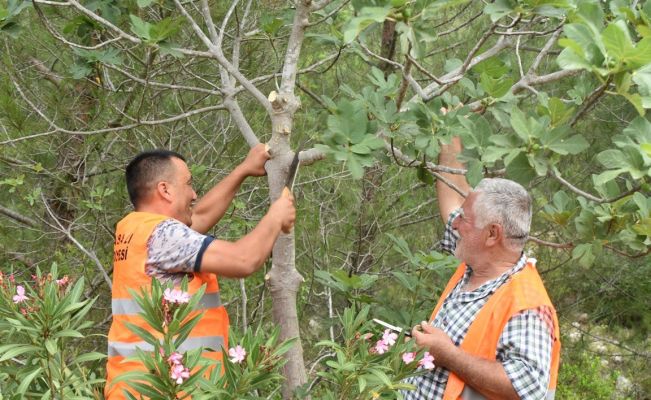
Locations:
(551, 93)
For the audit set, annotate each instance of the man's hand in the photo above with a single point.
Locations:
(435, 341)
(284, 211)
(253, 164)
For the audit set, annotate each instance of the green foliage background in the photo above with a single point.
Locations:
(367, 223)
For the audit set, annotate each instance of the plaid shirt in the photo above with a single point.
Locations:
(524, 348)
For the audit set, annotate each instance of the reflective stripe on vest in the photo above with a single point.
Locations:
(131, 250)
(213, 343)
(130, 306)
(469, 394)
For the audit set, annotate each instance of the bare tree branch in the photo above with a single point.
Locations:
(330, 14)
(474, 17)
(290, 66)
(219, 56)
(67, 232)
(59, 37)
(49, 75)
(591, 100)
(550, 244)
(587, 195)
(102, 21)
(58, 129)
(18, 217)
(433, 89)
(546, 48)
(310, 156)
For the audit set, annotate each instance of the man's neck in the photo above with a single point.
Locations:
(153, 209)
(494, 266)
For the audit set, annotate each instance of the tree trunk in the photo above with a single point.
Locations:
(283, 280)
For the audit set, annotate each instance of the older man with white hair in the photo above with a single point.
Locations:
(494, 332)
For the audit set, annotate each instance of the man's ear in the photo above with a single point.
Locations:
(163, 190)
(495, 234)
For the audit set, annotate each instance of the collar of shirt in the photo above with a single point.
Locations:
(489, 287)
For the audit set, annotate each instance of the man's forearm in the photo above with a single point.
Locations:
(449, 200)
(485, 376)
(213, 205)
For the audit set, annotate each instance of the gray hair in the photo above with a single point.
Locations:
(506, 203)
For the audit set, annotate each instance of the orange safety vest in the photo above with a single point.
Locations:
(523, 291)
(130, 255)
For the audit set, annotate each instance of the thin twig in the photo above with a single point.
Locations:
(591, 100)
(67, 232)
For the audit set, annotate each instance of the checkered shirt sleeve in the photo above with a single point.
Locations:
(450, 235)
(525, 349)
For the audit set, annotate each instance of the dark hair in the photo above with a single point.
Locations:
(147, 169)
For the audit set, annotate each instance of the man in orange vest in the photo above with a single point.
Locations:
(165, 238)
(494, 332)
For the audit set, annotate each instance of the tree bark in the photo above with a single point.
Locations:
(283, 280)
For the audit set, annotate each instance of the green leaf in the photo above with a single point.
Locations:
(642, 78)
(569, 60)
(475, 172)
(68, 333)
(572, 145)
(520, 125)
(616, 40)
(142, 333)
(92, 356)
(360, 148)
(13, 350)
(612, 159)
(144, 3)
(496, 87)
(79, 71)
(51, 346)
(424, 176)
(164, 29)
(640, 55)
(520, 170)
(366, 17)
(498, 9)
(583, 254)
(607, 176)
(140, 28)
(637, 102)
(558, 111)
(271, 25)
(350, 121)
(27, 380)
(581, 35)
(170, 49)
(355, 168)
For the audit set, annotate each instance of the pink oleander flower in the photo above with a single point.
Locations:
(381, 347)
(175, 358)
(408, 357)
(389, 337)
(176, 296)
(63, 281)
(237, 354)
(20, 295)
(427, 362)
(179, 373)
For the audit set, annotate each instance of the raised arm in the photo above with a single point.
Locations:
(213, 205)
(449, 199)
(245, 256)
